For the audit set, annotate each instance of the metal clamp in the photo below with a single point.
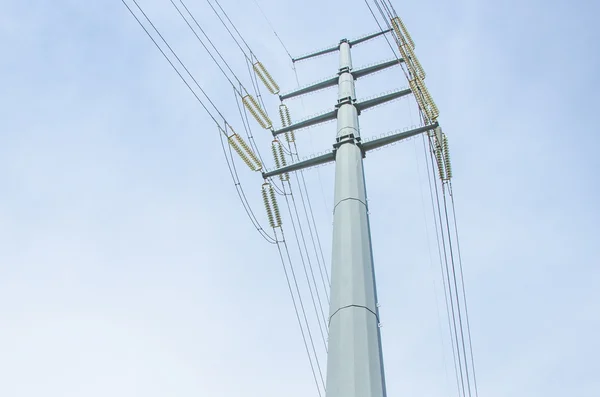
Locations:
(345, 69)
(345, 101)
(349, 138)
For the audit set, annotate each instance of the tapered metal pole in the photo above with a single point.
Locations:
(354, 360)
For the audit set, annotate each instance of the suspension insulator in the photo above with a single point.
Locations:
(275, 152)
(403, 54)
(249, 152)
(433, 110)
(280, 160)
(285, 176)
(440, 162)
(257, 112)
(266, 78)
(424, 99)
(287, 116)
(266, 199)
(401, 31)
(413, 63)
(447, 158)
(282, 115)
(243, 150)
(286, 121)
(418, 96)
(275, 207)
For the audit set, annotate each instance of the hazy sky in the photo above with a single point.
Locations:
(128, 266)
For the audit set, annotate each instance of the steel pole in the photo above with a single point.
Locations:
(354, 360)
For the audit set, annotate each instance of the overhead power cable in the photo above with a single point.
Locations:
(205, 46)
(217, 116)
(172, 64)
(273, 29)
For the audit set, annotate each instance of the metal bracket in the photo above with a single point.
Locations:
(348, 138)
(344, 101)
(345, 69)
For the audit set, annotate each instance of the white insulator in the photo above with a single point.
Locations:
(275, 152)
(440, 162)
(399, 25)
(266, 77)
(432, 109)
(286, 121)
(280, 160)
(414, 63)
(247, 155)
(286, 175)
(282, 117)
(266, 188)
(275, 207)
(257, 112)
(243, 150)
(447, 158)
(398, 30)
(257, 165)
(403, 54)
(419, 97)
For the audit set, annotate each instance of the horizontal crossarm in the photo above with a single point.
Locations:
(369, 37)
(381, 99)
(326, 158)
(316, 54)
(334, 80)
(311, 88)
(333, 49)
(375, 68)
(377, 143)
(307, 123)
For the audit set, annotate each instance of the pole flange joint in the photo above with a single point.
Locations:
(345, 101)
(345, 69)
(348, 138)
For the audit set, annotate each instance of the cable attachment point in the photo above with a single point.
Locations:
(257, 112)
(273, 214)
(286, 121)
(280, 160)
(243, 150)
(266, 77)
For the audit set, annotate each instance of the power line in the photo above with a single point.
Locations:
(273, 29)
(322, 315)
(171, 63)
(231, 166)
(204, 45)
(449, 303)
(463, 291)
(304, 314)
(230, 32)
(312, 367)
(234, 27)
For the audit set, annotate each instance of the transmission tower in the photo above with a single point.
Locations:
(354, 361)
(354, 350)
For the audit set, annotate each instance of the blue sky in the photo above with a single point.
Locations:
(127, 265)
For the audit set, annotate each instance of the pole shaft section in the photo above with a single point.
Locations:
(354, 360)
